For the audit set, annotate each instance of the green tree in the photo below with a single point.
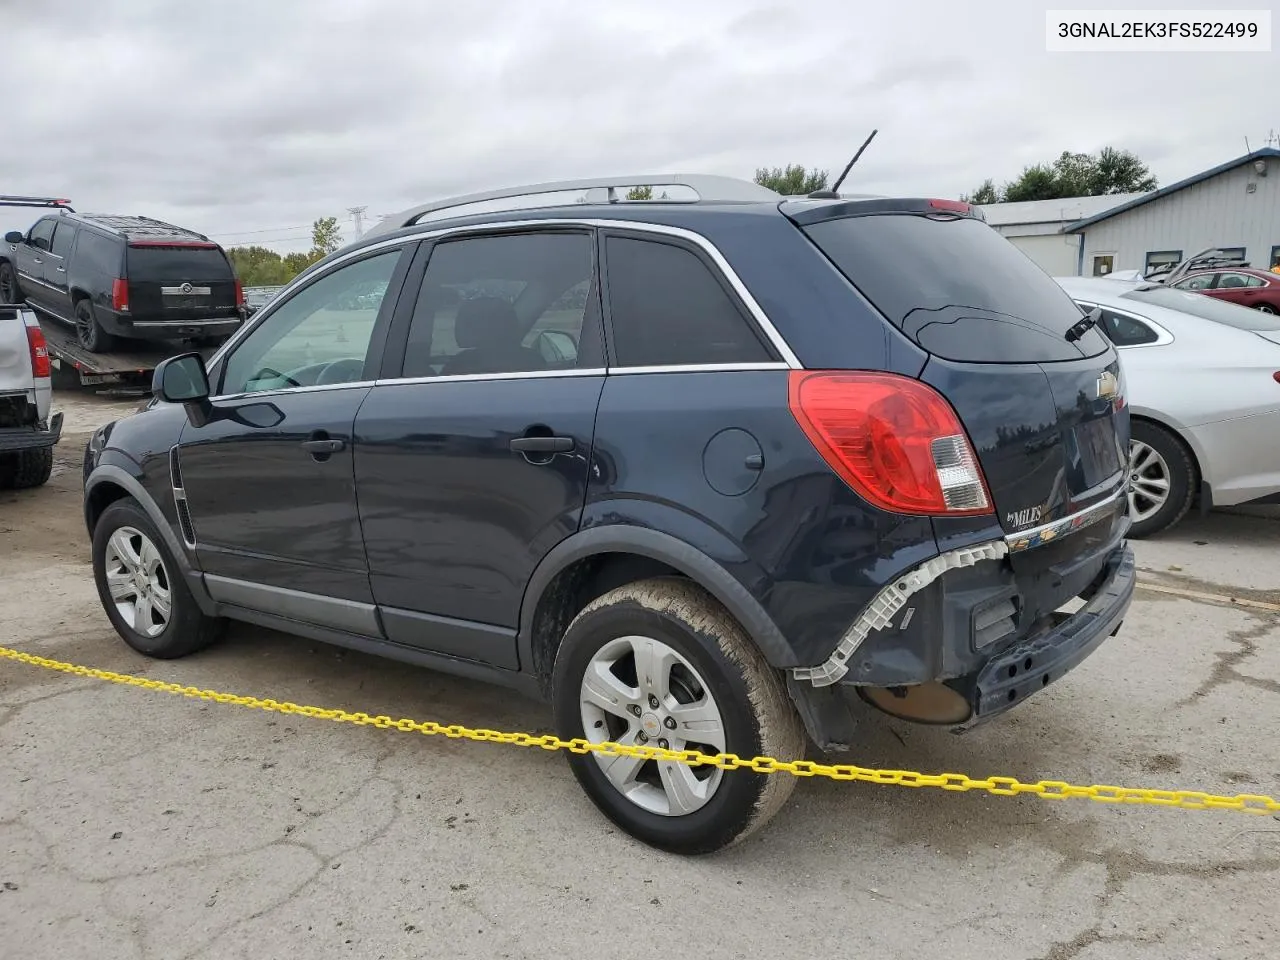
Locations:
(325, 237)
(640, 193)
(794, 181)
(986, 193)
(295, 263)
(1111, 171)
(258, 266)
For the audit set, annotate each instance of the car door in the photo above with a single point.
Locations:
(29, 259)
(268, 482)
(1236, 288)
(472, 452)
(56, 264)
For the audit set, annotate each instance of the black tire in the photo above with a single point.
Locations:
(9, 290)
(89, 332)
(1182, 476)
(26, 468)
(1265, 308)
(187, 629)
(757, 714)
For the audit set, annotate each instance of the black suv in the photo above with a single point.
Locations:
(699, 472)
(118, 276)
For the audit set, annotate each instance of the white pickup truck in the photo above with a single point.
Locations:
(28, 430)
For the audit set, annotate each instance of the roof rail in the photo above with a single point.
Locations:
(709, 188)
(11, 201)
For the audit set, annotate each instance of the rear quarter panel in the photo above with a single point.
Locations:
(670, 454)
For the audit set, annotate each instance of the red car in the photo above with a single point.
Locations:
(1249, 288)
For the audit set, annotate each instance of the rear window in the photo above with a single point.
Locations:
(177, 263)
(944, 282)
(1207, 308)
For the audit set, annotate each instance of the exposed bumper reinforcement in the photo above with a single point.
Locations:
(31, 438)
(880, 611)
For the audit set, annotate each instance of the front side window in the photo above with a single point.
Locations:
(517, 303)
(42, 234)
(1201, 281)
(666, 308)
(319, 336)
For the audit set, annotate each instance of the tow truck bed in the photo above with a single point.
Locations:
(126, 372)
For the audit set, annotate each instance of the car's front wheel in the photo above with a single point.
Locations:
(9, 291)
(142, 589)
(1265, 308)
(660, 662)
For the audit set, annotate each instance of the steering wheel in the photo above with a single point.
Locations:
(270, 373)
(346, 370)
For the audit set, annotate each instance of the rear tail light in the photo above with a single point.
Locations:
(40, 363)
(893, 439)
(1276, 376)
(240, 302)
(951, 206)
(119, 295)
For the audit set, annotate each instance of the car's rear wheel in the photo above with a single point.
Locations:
(1161, 479)
(26, 468)
(142, 589)
(89, 331)
(661, 663)
(1265, 308)
(9, 292)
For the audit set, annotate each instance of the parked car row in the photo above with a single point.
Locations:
(1204, 382)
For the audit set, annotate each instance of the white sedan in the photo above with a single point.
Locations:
(1203, 385)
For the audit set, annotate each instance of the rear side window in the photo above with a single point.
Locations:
(1207, 308)
(956, 286)
(1126, 331)
(667, 308)
(63, 237)
(98, 254)
(155, 263)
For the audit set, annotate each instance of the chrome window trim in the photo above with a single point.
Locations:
(290, 391)
(789, 359)
(1163, 336)
(514, 375)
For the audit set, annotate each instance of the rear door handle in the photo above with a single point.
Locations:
(36, 260)
(542, 444)
(62, 269)
(323, 446)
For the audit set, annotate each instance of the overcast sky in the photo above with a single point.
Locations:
(247, 119)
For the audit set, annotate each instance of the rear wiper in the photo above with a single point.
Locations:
(1086, 324)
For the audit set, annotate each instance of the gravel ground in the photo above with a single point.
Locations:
(134, 824)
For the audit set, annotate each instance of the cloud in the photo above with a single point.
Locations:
(247, 119)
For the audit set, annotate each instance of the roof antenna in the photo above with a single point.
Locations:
(834, 192)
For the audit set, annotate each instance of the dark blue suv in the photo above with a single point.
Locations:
(700, 472)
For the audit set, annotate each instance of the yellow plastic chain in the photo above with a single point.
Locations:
(1000, 786)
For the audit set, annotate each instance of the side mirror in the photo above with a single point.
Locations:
(557, 347)
(183, 379)
(14, 236)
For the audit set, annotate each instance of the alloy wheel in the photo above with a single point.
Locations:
(138, 582)
(639, 691)
(1266, 308)
(1148, 481)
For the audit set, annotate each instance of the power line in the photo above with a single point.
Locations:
(251, 233)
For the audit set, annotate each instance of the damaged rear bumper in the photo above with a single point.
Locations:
(30, 438)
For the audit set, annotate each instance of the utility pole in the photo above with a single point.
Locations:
(357, 214)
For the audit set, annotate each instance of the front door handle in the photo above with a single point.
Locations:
(321, 449)
(36, 260)
(62, 269)
(542, 444)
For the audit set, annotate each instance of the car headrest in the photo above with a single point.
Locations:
(485, 321)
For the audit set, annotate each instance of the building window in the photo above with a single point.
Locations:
(1160, 261)
(1103, 263)
(1232, 253)
(1275, 256)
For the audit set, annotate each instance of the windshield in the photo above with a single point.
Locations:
(1207, 308)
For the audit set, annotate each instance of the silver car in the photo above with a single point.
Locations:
(1203, 382)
